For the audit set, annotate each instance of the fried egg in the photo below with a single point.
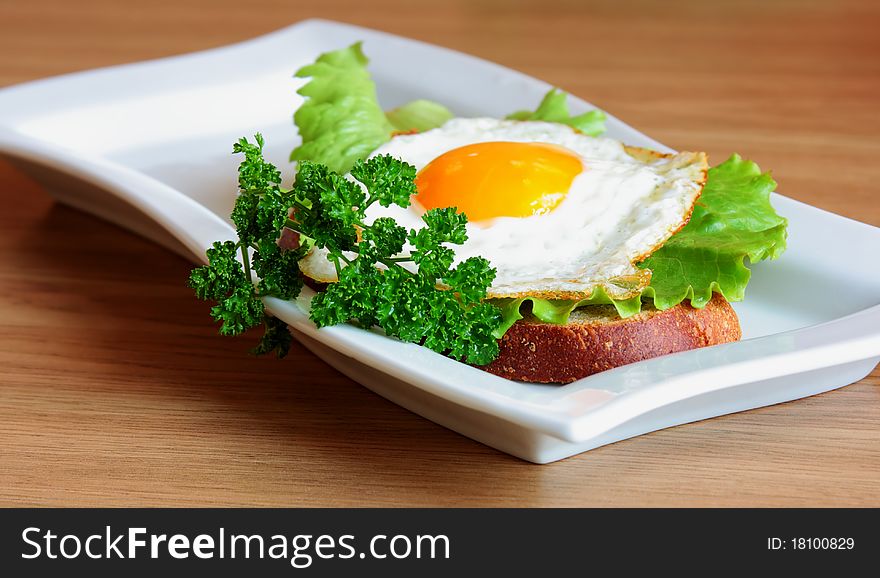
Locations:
(557, 213)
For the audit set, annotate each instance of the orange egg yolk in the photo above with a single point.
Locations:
(498, 179)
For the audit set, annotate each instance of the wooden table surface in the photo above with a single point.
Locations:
(105, 404)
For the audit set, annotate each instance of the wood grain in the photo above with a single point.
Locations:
(105, 404)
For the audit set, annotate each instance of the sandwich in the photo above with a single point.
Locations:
(531, 246)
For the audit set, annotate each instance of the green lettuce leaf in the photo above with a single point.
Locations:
(557, 310)
(554, 108)
(341, 120)
(733, 220)
(419, 115)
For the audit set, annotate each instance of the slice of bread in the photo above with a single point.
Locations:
(596, 339)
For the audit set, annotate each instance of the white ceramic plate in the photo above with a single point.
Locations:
(148, 146)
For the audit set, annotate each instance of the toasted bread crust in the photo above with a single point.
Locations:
(596, 339)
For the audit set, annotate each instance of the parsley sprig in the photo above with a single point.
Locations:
(431, 303)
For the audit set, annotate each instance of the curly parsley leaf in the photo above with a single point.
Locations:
(405, 304)
(276, 337)
(221, 275)
(255, 173)
(260, 213)
(278, 270)
(222, 280)
(471, 278)
(382, 239)
(389, 181)
(329, 207)
(238, 311)
(436, 305)
(445, 225)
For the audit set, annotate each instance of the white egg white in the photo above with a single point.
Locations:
(624, 205)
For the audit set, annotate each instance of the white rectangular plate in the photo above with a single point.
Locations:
(148, 146)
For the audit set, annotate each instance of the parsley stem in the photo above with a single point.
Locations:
(391, 263)
(245, 260)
